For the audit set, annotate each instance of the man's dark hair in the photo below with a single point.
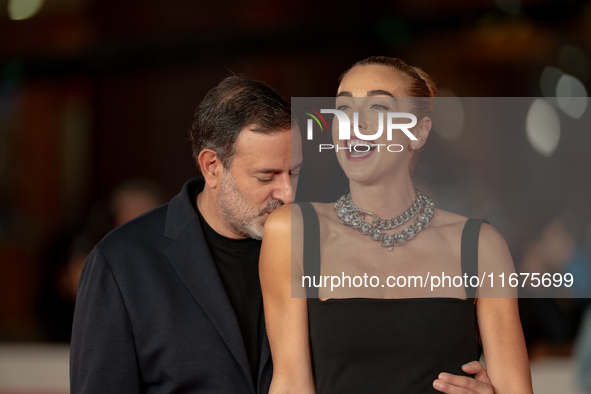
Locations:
(235, 103)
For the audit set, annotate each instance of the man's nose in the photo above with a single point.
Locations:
(282, 189)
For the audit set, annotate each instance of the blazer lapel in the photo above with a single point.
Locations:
(190, 257)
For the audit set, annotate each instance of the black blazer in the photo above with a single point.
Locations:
(152, 315)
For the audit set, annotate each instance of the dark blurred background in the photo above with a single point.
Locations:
(96, 98)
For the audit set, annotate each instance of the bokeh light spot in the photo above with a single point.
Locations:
(572, 96)
(549, 80)
(542, 127)
(23, 9)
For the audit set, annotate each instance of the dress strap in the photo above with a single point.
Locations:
(470, 252)
(311, 247)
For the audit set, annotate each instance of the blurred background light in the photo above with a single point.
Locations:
(10, 76)
(574, 61)
(3, 158)
(23, 9)
(587, 237)
(543, 127)
(549, 80)
(509, 6)
(571, 96)
(448, 115)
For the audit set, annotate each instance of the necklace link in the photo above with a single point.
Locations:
(353, 216)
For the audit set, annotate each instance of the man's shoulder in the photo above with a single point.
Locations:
(145, 230)
(141, 242)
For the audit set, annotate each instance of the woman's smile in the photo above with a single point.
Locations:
(357, 149)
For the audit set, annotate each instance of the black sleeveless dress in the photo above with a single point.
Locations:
(367, 345)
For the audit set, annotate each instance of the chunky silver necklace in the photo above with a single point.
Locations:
(352, 216)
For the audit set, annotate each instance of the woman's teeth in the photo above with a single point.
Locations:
(355, 151)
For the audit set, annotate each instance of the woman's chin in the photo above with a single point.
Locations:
(363, 177)
(372, 174)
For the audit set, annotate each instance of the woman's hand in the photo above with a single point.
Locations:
(454, 384)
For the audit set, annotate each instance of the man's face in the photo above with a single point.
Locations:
(262, 177)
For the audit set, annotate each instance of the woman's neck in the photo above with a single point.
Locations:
(388, 198)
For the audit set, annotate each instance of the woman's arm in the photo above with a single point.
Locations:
(498, 319)
(286, 318)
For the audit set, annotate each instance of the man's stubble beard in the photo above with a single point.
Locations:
(238, 213)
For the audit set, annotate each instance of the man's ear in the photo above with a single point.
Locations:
(422, 131)
(211, 167)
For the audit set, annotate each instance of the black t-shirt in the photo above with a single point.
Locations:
(237, 262)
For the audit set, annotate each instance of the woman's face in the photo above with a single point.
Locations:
(370, 91)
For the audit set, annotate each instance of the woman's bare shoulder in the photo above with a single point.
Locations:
(283, 239)
(493, 249)
(452, 222)
(283, 220)
(446, 220)
(288, 218)
(284, 215)
(325, 210)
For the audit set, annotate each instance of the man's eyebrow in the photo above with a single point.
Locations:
(267, 171)
(276, 170)
(344, 94)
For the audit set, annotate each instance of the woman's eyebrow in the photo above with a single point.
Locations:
(379, 92)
